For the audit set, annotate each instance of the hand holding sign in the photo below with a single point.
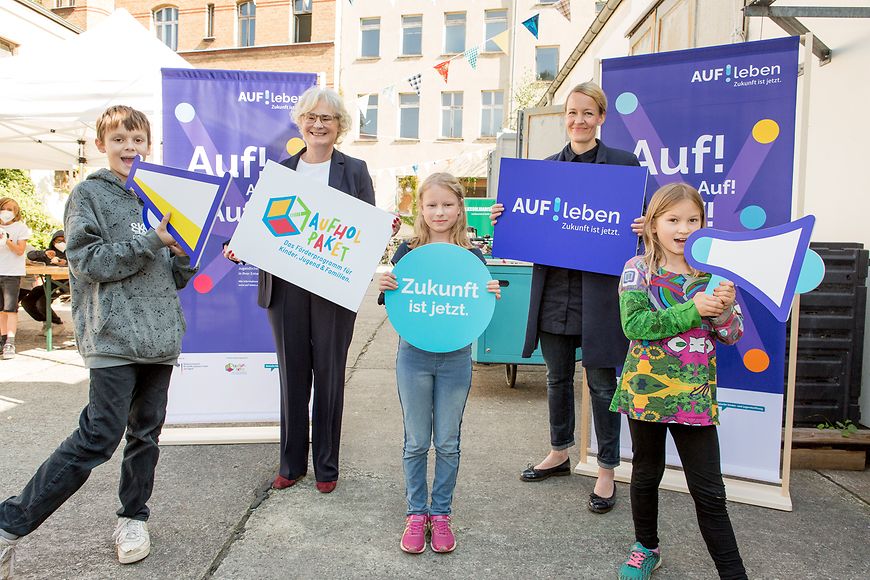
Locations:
(571, 215)
(440, 297)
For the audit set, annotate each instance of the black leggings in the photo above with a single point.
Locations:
(699, 452)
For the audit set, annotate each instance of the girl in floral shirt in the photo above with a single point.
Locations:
(668, 382)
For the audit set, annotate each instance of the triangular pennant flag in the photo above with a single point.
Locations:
(531, 25)
(564, 8)
(501, 40)
(442, 69)
(471, 56)
(415, 81)
(389, 93)
(194, 199)
(362, 103)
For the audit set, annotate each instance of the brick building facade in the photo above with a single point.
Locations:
(266, 35)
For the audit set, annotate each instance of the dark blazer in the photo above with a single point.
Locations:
(347, 174)
(603, 342)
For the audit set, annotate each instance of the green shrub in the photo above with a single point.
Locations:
(16, 184)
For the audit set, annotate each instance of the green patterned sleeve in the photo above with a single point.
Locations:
(641, 322)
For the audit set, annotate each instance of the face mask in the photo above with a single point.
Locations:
(61, 246)
(6, 215)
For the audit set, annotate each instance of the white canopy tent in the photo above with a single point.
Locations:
(50, 100)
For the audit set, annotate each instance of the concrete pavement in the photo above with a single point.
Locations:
(214, 517)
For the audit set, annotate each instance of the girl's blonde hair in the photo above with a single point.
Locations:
(458, 234)
(308, 102)
(662, 200)
(4, 201)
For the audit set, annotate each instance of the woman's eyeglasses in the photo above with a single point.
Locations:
(325, 118)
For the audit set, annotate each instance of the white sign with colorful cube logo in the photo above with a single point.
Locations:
(312, 235)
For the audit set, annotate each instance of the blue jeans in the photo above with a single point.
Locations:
(558, 351)
(433, 389)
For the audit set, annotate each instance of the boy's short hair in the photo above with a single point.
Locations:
(129, 117)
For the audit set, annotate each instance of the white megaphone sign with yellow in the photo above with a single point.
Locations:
(193, 199)
(772, 264)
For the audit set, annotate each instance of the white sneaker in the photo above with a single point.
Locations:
(131, 540)
(8, 350)
(7, 557)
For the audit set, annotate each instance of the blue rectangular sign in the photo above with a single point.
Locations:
(572, 215)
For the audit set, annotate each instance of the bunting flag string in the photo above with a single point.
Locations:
(531, 25)
(501, 40)
(564, 8)
(362, 103)
(442, 69)
(415, 81)
(471, 56)
(389, 93)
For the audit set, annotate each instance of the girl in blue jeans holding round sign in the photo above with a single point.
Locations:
(433, 387)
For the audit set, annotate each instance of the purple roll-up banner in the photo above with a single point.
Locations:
(722, 119)
(217, 122)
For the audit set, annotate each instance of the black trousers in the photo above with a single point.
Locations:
(129, 397)
(312, 336)
(699, 453)
(558, 351)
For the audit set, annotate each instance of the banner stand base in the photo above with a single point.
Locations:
(738, 490)
(220, 435)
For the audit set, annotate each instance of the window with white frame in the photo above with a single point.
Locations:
(209, 21)
(546, 62)
(451, 115)
(454, 32)
(166, 23)
(368, 123)
(247, 23)
(301, 20)
(409, 116)
(370, 43)
(64, 3)
(495, 22)
(491, 112)
(412, 35)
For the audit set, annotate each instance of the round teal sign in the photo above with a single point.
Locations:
(442, 303)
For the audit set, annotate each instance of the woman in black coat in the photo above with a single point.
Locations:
(569, 308)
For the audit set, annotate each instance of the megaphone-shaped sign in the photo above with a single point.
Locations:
(193, 199)
(772, 264)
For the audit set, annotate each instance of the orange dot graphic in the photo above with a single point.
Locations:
(765, 131)
(295, 145)
(756, 360)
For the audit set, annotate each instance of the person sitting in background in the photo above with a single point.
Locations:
(33, 300)
(54, 254)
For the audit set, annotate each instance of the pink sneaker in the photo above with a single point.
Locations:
(414, 537)
(443, 540)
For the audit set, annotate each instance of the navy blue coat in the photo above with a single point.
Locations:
(347, 174)
(603, 342)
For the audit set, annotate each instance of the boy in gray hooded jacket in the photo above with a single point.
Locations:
(128, 326)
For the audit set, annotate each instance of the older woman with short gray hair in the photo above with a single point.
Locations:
(312, 334)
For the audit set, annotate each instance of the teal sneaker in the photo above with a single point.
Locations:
(641, 563)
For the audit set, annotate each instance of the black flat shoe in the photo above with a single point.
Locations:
(601, 505)
(532, 474)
